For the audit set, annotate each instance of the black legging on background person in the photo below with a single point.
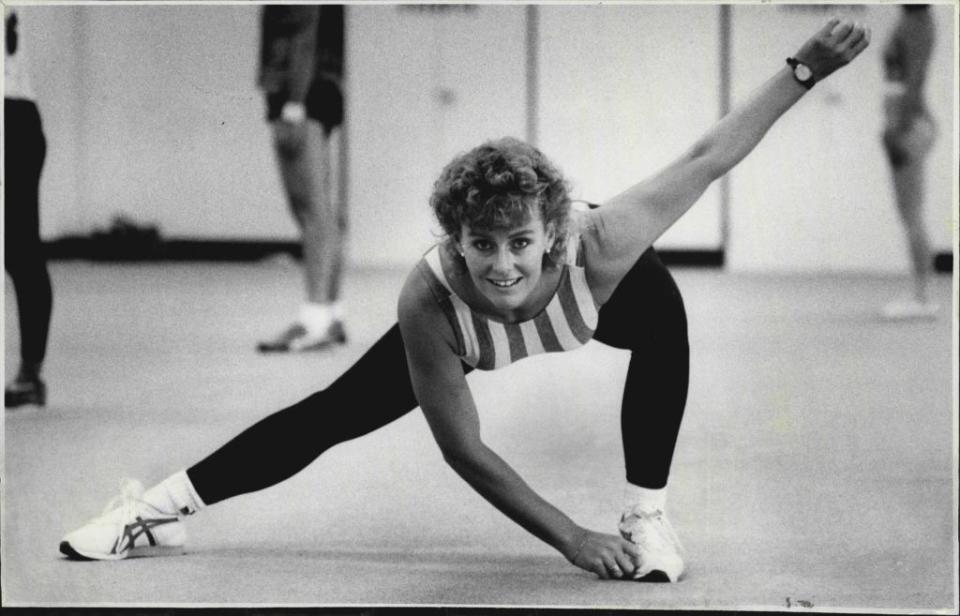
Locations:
(25, 150)
(645, 315)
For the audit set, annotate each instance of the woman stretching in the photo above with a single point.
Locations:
(519, 273)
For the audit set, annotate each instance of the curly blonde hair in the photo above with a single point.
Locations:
(496, 184)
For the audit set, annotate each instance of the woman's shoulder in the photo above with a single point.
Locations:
(586, 231)
(602, 253)
(579, 227)
(417, 307)
(427, 285)
(419, 312)
(419, 290)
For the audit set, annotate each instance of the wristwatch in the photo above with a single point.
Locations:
(802, 73)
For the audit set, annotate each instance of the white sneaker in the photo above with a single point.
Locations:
(905, 309)
(298, 338)
(660, 550)
(128, 526)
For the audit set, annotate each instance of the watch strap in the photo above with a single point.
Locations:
(806, 83)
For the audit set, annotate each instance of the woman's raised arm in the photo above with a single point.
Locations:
(629, 223)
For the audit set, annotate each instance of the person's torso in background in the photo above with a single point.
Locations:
(916, 27)
(16, 78)
(283, 30)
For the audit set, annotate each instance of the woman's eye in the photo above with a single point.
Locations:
(521, 243)
(482, 245)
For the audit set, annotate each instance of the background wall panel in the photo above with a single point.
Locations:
(624, 90)
(816, 194)
(152, 111)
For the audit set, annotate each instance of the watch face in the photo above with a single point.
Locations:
(803, 72)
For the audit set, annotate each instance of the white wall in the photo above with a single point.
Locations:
(50, 40)
(425, 84)
(624, 90)
(152, 124)
(816, 194)
(153, 111)
(174, 129)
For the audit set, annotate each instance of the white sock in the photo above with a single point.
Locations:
(317, 318)
(175, 494)
(646, 500)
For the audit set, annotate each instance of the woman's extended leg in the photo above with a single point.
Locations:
(646, 316)
(372, 393)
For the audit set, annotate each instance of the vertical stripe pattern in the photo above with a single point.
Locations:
(567, 322)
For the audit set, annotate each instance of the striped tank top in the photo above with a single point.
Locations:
(567, 322)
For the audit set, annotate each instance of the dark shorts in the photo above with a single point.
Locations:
(324, 103)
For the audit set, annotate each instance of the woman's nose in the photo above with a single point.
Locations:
(503, 262)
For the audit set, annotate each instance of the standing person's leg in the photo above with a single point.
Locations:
(305, 155)
(322, 236)
(24, 258)
(324, 227)
(305, 166)
(907, 157)
(372, 393)
(646, 315)
(909, 184)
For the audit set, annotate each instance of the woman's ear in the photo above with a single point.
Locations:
(551, 237)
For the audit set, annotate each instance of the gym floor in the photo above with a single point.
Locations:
(816, 466)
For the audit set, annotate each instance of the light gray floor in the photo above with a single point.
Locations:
(816, 465)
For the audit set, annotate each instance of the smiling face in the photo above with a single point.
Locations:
(506, 263)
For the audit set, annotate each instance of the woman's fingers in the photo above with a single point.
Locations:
(856, 42)
(604, 570)
(626, 564)
(840, 31)
(833, 46)
(854, 35)
(631, 549)
(608, 556)
(624, 560)
(857, 33)
(828, 27)
(861, 44)
(613, 569)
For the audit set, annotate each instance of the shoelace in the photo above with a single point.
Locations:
(656, 530)
(131, 492)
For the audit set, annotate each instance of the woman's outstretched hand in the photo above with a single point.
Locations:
(834, 46)
(609, 556)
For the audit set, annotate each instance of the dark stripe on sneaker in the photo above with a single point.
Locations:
(140, 527)
(146, 531)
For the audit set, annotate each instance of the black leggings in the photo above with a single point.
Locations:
(645, 315)
(24, 259)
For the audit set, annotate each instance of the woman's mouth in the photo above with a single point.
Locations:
(504, 283)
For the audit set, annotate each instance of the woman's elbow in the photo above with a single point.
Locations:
(707, 156)
(461, 455)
